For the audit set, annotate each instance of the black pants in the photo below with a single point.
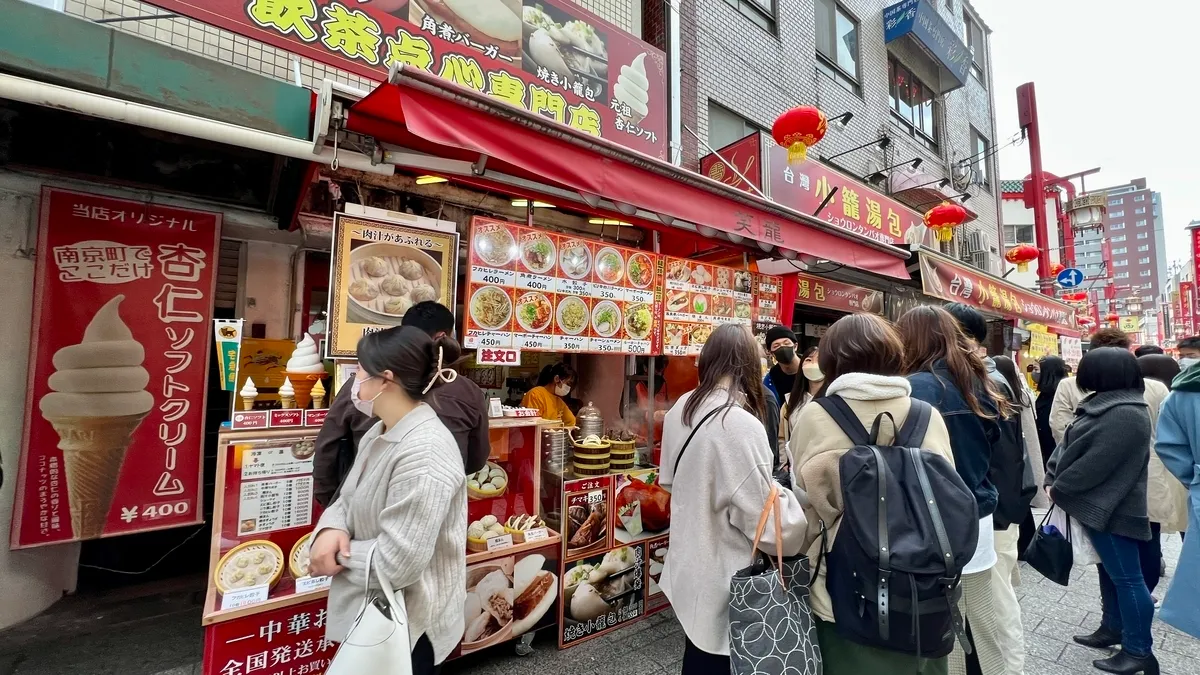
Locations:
(422, 658)
(698, 662)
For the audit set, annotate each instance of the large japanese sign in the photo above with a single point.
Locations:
(538, 291)
(700, 297)
(854, 207)
(1187, 306)
(286, 641)
(738, 164)
(550, 57)
(820, 292)
(380, 270)
(957, 282)
(114, 413)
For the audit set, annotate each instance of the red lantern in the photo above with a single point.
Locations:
(798, 130)
(1056, 268)
(1112, 317)
(943, 218)
(1021, 255)
(1075, 297)
(1086, 321)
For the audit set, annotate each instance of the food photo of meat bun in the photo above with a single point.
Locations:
(488, 22)
(536, 591)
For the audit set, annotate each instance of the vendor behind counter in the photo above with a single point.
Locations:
(553, 386)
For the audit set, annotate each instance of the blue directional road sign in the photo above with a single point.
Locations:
(1070, 277)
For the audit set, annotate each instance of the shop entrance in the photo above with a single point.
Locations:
(810, 324)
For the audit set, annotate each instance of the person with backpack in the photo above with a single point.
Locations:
(1098, 476)
(946, 372)
(717, 463)
(847, 446)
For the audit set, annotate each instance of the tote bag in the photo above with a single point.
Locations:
(1082, 551)
(771, 629)
(378, 640)
(1050, 551)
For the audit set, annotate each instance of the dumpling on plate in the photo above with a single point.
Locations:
(375, 266)
(363, 290)
(394, 284)
(423, 293)
(411, 269)
(398, 305)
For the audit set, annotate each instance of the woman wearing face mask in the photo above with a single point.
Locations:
(808, 384)
(403, 506)
(554, 384)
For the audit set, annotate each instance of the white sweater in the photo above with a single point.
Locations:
(407, 493)
(716, 500)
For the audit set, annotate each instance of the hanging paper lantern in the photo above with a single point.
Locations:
(1078, 296)
(798, 130)
(943, 218)
(1112, 317)
(1086, 321)
(1056, 268)
(1021, 255)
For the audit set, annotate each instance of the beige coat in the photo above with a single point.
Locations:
(818, 443)
(1166, 497)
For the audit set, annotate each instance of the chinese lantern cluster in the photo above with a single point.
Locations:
(943, 218)
(1056, 268)
(798, 130)
(1021, 255)
(1078, 296)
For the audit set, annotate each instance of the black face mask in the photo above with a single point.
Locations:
(785, 354)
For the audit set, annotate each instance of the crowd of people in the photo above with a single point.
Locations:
(905, 461)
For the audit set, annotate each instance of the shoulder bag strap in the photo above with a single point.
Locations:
(395, 606)
(675, 471)
(912, 432)
(939, 529)
(846, 419)
(772, 504)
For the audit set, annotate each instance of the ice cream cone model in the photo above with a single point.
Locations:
(318, 395)
(304, 369)
(249, 393)
(632, 91)
(97, 401)
(287, 394)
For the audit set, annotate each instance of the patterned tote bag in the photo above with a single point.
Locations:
(771, 629)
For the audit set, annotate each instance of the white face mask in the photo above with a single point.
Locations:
(812, 372)
(562, 389)
(365, 407)
(1188, 362)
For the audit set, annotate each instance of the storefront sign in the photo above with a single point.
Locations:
(1071, 350)
(114, 414)
(768, 302)
(550, 57)
(854, 207)
(958, 282)
(538, 291)
(286, 641)
(1187, 305)
(380, 269)
(740, 157)
(228, 333)
(820, 292)
(1041, 342)
(921, 20)
(1195, 314)
(1130, 324)
(498, 357)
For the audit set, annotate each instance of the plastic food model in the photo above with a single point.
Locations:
(490, 481)
(253, 563)
(479, 531)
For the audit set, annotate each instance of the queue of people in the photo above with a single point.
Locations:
(910, 463)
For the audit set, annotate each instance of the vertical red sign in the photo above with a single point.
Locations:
(1187, 306)
(118, 364)
(286, 641)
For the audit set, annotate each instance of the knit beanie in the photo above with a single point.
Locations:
(778, 333)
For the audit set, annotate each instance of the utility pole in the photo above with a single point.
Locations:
(1035, 186)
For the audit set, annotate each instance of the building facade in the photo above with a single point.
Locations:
(1018, 225)
(1133, 227)
(744, 62)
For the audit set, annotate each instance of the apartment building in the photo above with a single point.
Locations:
(1133, 228)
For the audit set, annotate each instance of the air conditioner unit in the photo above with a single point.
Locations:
(981, 260)
(976, 242)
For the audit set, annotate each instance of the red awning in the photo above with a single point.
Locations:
(426, 114)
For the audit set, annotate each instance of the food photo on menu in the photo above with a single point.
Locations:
(643, 507)
(488, 22)
(387, 279)
(600, 585)
(587, 527)
(571, 49)
(507, 598)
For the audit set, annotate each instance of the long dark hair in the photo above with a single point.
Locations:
(1052, 370)
(931, 334)
(800, 388)
(1159, 367)
(410, 354)
(731, 356)
(560, 370)
(1008, 368)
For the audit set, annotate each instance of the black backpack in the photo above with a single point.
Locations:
(909, 526)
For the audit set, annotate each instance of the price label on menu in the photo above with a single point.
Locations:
(635, 295)
(605, 292)
(500, 543)
(306, 584)
(483, 338)
(606, 345)
(569, 343)
(675, 350)
(244, 597)
(537, 534)
(534, 282)
(572, 287)
(533, 342)
(637, 346)
(767, 287)
(494, 277)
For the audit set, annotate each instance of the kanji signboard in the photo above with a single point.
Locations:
(550, 57)
(118, 362)
(738, 164)
(1187, 305)
(958, 282)
(286, 641)
(820, 292)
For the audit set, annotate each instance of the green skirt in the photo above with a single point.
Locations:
(843, 657)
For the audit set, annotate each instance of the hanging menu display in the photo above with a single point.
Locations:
(540, 291)
(699, 297)
(767, 290)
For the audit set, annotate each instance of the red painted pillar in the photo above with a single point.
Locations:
(1035, 186)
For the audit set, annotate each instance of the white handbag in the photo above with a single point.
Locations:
(376, 644)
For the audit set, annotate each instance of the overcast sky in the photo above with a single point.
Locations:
(1118, 87)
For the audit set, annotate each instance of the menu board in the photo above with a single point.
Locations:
(767, 305)
(699, 297)
(539, 291)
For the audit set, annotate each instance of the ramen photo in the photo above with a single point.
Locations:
(641, 270)
(638, 321)
(606, 318)
(610, 266)
(497, 247)
(537, 254)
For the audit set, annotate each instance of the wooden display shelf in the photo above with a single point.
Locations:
(517, 422)
(212, 613)
(516, 549)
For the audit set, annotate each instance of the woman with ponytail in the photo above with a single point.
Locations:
(405, 498)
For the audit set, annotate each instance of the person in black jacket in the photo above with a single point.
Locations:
(1098, 477)
(1051, 371)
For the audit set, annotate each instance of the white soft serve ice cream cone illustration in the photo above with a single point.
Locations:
(633, 90)
(97, 401)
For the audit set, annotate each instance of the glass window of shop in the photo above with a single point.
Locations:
(837, 43)
(980, 147)
(726, 126)
(975, 42)
(914, 104)
(1018, 234)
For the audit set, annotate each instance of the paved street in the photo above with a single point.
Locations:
(171, 643)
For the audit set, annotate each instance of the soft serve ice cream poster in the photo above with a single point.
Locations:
(114, 416)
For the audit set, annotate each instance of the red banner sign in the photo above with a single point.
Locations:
(957, 282)
(286, 641)
(820, 292)
(114, 414)
(744, 157)
(1187, 306)
(550, 57)
(854, 207)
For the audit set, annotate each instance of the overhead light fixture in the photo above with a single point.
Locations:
(430, 180)
(883, 142)
(536, 204)
(608, 221)
(881, 174)
(843, 120)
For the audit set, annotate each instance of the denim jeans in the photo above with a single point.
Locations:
(1128, 608)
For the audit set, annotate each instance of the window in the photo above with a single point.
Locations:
(979, 149)
(1121, 275)
(1139, 198)
(1117, 226)
(1147, 298)
(913, 104)
(726, 126)
(1018, 234)
(837, 43)
(1139, 210)
(761, 12)
(1120, 263)
(1120, 251)
(1143, 261)
(1143, 235)
(1145, 273)
(1141, 223)
(1143, 248)
(1116, 202)
(1116, 214)
(1119, 237)
(977, 47)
